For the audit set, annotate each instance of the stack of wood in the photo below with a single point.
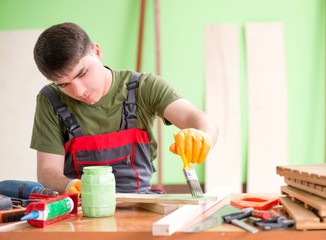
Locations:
(304, 197)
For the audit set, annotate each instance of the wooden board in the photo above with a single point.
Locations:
(319, 190)
(162, 198)
(313, 173)
(158, 207)
(222, 103)
(309, 200)
(185, 214)
(267, 105)
(20, 83)
(304, 218)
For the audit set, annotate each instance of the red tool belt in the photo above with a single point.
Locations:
(127, 151)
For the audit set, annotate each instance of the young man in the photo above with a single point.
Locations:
(112, 116)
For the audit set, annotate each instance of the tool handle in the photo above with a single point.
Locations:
(264, 215)
(186, 164)
(239, 215)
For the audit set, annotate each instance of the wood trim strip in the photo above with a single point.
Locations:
(185, 214)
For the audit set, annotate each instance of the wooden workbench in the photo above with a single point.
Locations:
(130, 222)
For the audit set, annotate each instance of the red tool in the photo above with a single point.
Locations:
(262, 214)
(259, 203)
(42, 205)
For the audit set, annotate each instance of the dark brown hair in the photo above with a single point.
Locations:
(59, 49)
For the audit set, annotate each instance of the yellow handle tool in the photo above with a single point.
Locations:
(189, 172)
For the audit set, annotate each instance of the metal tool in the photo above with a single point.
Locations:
(189, 172)
(20, 202)
(235, 218)
(279, 222)
(5, 203)
(22, 189)
(193, 183)
(214, 220)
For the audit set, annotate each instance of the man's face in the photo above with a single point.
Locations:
(89, 80)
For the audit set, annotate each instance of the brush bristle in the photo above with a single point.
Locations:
(193, 183)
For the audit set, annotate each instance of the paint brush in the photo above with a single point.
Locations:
(192, 179)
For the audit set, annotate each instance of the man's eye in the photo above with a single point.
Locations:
(82, 75)
(62, 85)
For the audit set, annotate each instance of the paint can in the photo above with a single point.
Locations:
(98, 191)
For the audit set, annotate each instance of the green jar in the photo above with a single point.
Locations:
(98, 191)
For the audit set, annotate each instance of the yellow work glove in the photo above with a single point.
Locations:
(74, 187)
(193, 144)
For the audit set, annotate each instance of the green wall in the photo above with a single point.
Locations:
(114, 25)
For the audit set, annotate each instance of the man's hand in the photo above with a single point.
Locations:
(192, 143)
(74, 187)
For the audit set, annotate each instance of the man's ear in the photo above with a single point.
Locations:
(97, 51)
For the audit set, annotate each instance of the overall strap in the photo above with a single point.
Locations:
(129, 109)
(69, 120)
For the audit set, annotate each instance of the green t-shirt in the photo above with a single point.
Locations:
(152, 96)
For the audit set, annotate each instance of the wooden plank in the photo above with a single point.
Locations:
(162, 198)
(304, 219)
(311, 200)
(267, 105)
(316, 190)
(185, 214)
(314, 173)
(158, 207)
(222, 103)
(17, 102)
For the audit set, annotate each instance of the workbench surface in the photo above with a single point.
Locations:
(130, 222)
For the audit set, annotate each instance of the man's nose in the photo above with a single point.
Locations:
(79, 88)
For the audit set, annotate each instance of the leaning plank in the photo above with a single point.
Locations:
(179, 218)
(162, 198)
(222, 103)
(304, 218)
(267, 105)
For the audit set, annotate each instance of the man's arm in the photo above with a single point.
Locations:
(183, 114)
(50, 171)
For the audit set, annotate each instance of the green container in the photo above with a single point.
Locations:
(98, 191)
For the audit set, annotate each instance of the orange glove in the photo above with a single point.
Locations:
(193, 144)
(74, 187)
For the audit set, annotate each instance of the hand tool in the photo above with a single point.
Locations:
(193, 183)
(189, 172)
(11, 215)
(22, 189)
(213, 220)
(51, 209)
(235, 218)
(276, 223)
(262, 214)
(20, 202)
(5, 203)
